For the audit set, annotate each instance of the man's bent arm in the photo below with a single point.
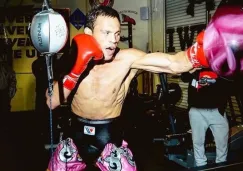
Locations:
(88, 49)
(161, 62)
(55, 96)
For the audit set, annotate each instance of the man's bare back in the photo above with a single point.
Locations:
(101, 94)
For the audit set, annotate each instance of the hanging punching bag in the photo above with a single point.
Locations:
(48, 31)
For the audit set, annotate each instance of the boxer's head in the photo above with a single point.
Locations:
(103, 23)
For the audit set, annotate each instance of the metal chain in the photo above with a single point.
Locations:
(50, 93)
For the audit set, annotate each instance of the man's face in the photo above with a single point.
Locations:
(107, 33)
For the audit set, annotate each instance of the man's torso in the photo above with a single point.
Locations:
(100, 95)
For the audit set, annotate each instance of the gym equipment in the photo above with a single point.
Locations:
(174, 93)
(185, 157)
(148, 107)
(49, 34)
(222, 167)
(95, 3)
(48, 30)
(151, 102)
(129, 37)
(235, 143)
(148, 85)
(177, 142)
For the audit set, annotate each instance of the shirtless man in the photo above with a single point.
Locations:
(97, 104)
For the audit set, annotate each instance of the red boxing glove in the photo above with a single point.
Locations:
(196, 54)
(87, 49)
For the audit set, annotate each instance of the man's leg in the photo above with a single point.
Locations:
(199, 127)
(220, 129)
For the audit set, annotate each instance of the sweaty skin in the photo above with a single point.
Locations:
(101, 94)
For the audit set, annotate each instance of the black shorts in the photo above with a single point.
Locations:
(91, 136)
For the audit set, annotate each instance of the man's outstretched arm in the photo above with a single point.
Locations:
(184, 61)
(162, 62)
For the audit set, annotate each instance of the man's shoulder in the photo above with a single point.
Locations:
(130, 54)
(131, 50)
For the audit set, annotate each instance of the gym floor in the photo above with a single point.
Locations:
(22, 148)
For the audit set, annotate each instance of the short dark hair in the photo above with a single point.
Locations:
(100, 11)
